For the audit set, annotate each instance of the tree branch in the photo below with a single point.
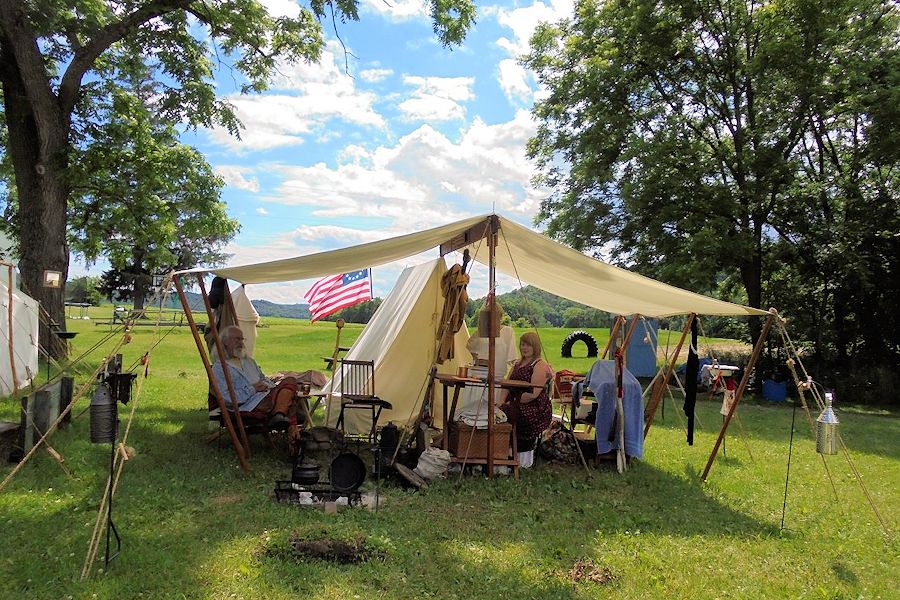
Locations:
(85, 56)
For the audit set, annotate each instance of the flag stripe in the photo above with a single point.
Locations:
(344, 295)
(333, 293)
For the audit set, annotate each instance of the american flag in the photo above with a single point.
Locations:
(331, 294)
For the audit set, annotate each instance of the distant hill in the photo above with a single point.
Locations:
(263, 307)
(290, 311)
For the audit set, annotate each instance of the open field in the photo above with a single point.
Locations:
(195, 526)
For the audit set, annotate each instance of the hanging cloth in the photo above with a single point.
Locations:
(690, 383)
(621, 462)
(221, 303)
(456, 299)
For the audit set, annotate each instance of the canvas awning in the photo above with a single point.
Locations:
(522, 254)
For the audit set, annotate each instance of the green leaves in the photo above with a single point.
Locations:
(702, 141)
(141, 199)
(452, 19)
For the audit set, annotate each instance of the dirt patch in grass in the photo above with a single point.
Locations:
(333, 550)
(584, 569)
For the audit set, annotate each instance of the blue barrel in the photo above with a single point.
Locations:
(774, 391)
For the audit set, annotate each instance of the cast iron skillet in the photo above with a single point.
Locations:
(348, 471)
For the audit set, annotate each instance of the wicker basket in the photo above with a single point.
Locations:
(460, 433)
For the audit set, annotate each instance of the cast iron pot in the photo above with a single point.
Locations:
(348, 471)
(305, 473)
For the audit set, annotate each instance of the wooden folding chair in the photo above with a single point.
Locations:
(357, 392)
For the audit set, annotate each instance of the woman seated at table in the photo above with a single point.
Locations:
(533, 411)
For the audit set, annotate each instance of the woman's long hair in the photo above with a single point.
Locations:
(532, 339)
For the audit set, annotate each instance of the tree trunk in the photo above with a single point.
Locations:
(39, 164)
(141, 290)
(751, 276)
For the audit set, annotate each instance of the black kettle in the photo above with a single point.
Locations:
(305, 473)
(390, 437)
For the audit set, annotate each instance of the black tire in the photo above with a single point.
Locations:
(579, 336)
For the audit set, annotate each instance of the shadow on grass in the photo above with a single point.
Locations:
(193, 523)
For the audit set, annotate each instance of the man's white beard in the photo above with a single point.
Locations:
(239, 353)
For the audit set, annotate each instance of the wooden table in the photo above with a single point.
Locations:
(458, 383)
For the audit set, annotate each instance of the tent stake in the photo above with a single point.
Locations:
(757, 350)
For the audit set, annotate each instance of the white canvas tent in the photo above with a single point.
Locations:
(401, 340)
(521, 252)
(19, 321)
(516, 251)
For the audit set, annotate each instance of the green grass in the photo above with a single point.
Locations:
(194, 525)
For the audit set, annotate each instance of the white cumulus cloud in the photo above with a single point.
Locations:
(375, 75)
(304, 99)
(236, 176)
(437, 98)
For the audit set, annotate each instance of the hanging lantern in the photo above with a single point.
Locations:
(827, 429)
(104, 416)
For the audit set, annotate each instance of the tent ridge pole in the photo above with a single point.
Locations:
(757, 350)
(201, 349)
(492, 347)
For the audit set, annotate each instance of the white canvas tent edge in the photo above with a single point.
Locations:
(19, 323)
(521, 253)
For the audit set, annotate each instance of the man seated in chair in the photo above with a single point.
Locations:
(253, 390)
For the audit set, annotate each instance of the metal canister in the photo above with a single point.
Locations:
(104, 415)
(827, 429)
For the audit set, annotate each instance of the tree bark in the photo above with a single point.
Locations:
(39, 163)
(751, 277)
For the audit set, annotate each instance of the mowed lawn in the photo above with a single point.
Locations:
(194, 525)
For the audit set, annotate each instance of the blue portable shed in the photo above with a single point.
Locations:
(641, 354)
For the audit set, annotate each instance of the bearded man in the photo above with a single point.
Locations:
(253, 390)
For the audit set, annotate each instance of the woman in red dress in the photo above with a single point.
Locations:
(532, 412)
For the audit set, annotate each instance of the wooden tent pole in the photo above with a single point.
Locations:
(201, 348)
(612, 333)
(492, 341)
(634, 321)
(220, 349)
(757, 350)
(661, 386)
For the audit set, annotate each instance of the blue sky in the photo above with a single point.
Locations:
(410, 136)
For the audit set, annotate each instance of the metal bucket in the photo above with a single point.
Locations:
(827, 429)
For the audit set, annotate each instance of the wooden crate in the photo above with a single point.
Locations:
(460, 433)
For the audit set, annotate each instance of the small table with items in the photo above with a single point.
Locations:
(505, 453)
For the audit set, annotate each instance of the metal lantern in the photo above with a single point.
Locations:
(104, 416)
(827, 429)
